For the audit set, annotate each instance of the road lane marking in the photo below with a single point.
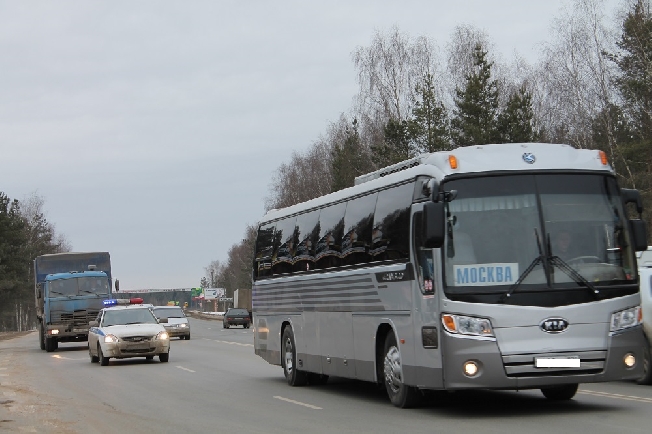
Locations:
(185, 369)
(616, 396)
(292, 401)
(234, 343)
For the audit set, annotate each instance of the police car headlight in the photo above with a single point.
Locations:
(183, 325)
(467, 325)
(626, 318)
(162, 336)
(110, 339)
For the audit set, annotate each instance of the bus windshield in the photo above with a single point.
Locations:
(536, 232)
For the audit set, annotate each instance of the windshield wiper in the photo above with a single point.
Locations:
(541, 259)
(573, 274)
(546, 261)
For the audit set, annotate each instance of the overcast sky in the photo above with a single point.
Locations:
(152, 129)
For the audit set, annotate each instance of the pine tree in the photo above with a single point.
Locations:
(474, 119)
(396, 146)
(429, 127)
(348, 159)
(516, 121)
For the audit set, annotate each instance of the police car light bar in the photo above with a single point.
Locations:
(122, 301)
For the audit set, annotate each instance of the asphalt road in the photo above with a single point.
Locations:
(215, 383)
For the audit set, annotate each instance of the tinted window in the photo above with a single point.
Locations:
(331, 223)
(284, 245)
(357, 229)
(264, 249)
(307, 237)
(391, 227)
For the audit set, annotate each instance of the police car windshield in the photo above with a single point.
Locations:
(113, 317)
(577, 219)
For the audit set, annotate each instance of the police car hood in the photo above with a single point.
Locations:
(134, 330)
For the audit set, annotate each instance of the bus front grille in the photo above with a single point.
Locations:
(523, 365)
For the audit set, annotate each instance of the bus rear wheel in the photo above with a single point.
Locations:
(400, 395)
(293, 376)
(560, 393)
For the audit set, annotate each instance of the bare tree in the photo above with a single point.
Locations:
(576, 77)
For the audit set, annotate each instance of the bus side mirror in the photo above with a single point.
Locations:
(433, 225)
(117, 285)
(639, 234)
(630, 195)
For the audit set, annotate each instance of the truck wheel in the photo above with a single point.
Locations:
(104, 361)
(400, 395)
(647, 372)
(293, 376)
(41, 337)
(560, 393)
(50, 344)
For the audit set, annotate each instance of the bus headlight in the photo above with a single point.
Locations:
(626, 318)
(467, 325)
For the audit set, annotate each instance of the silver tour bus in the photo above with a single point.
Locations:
(507, 266)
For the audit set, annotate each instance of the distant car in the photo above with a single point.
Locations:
(236, 316)
(177, 325)
(125, 331)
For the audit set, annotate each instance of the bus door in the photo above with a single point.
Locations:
(427, 290)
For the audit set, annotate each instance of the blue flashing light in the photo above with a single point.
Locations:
(112, 302)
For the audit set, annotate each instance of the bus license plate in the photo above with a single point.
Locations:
(557, 362)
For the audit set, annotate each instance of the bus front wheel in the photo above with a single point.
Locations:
(400, 395)
(293, 376)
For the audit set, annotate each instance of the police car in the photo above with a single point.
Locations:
(127, 328)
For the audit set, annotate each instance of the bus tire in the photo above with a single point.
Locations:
(560, 393)
(647, 372)
(41, 336)
(293, 376)
(399, 394)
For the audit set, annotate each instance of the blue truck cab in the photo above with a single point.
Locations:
(69, 290)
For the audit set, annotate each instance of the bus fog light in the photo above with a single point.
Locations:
(471, 368)
(629, 360)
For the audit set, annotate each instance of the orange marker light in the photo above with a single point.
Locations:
(452, 161)
(449, 323)
(603, 158)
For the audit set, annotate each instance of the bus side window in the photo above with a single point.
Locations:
(358, 222)
(264, 248)
(284, 246)
(423, 257)
(391, 228)
(307, 236)
(331, 223)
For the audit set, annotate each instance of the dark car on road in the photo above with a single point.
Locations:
(235, 316)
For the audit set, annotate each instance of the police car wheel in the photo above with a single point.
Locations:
(104, 361)
(94, 359)
(164, 357)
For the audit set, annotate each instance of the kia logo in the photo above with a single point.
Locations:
(554, 325)
(529, 158)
